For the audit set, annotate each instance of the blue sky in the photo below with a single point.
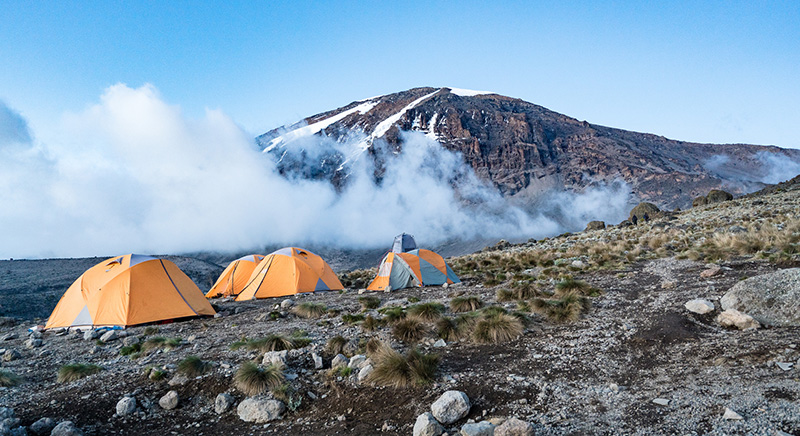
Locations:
(696, 71)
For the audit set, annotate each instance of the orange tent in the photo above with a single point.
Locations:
(413, 268)
(289, 271)
(235, 277)
(129, 290)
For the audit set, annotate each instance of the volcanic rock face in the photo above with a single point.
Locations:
(524, 149)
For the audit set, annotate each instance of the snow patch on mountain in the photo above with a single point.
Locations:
(317, 127)
(467, 92)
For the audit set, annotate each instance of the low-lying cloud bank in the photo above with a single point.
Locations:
(133, 174)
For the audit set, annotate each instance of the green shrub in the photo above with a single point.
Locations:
(352, 319)
(568, 307)
(369, 302)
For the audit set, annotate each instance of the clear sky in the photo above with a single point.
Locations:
(717, 71)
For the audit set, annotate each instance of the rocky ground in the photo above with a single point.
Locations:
(637, 362)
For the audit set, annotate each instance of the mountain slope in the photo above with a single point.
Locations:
(524, 149)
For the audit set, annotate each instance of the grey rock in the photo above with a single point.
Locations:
(483, 428)
(126, 406)
(440, 343)
(426, 425)
(260, 410)
(287, 303)
(33, 343)
(130, 340)
(43, 426)
(275, 358)
(786, 366)
(10, 336)
(661, 401)
(731, 415)
(514, 427)
(734, 318)
(772, 299)
(11, 354)
(339, 360)
(357, 361)
(317, 360)
(36, 334)
(90, 335)
(169, 401)
(109, 336)
(450, 407)
(223, 402)
(66, 428)
(699, 305)
(365, 372)
(178, 379)
(7, 412)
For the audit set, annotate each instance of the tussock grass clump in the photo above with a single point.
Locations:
(569, 284)
(397, 370)
(254, 379)
(350, 318)
(156, 374)
(426, 311)
(155, 342)
(150, 330)
(493, 311)
(409, 330)
(465, 304)
(8, 379)
(374, 345)
(130, 350)
(335, 345)
(497, 328)
(567, 308)
(393, 314)
(371, 323)
(192, 366)
(273, 342)
(369, 302)
(451, 329)
(76, 371)
(504, 295)
(310, 310)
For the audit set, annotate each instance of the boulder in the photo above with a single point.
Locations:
(90, 335)
(339, 360)
(365, 372)
(644, 212)
(275, 358)
(514, 427)
(43, 426)
(595, 225)
(772, 299)
(169, 401)
(66, 428)
(223, 402)
(450, 407)
(130, 340)
(260, 410)
(734, 318)
(357, 361)
(109, 336)
(483, 428)
(126, 406)
(426, 425)
(178, 379)
(699, 305)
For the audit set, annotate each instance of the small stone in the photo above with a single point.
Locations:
(365, 372)
(357, 361)
(126, 406)
(287, 303)
(734, 318)
(440, 343)
(699, 305)
(339, 360)
(514, 427)
(711, 272)
(11, 354)
(317, 360)
(33, 343)
(223, 402)
(661, 401)
(66, 428)
(731, 415)
(43, 426)
(169, 401)
(483, 428)
(109, 336)
(36, 334)
(10, 336)
(178, 379)
(426, 425)
(786, 366)
(275, 358)
(260, 410)
(90, 335)
(450, 407)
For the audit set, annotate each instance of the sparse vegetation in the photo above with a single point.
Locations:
(192, 366)
(397, 370)
(155, 342)
(369, 302)
(393, 314)
(9, 379)
(131, 350)
(335, 345)
(371, 323)
(426, 311)
(352, 318)
(409, 330)
(76, 371)
(465, 304)
(273, 342)
(150, 330)
(497, 328)
(310, 310)
(567, 308)
(252, 379)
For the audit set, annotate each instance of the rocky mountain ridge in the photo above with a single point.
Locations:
(523, 149)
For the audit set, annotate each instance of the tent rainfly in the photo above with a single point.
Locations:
(235, 277)
(290, 271)
(129, 290)
(415, 268)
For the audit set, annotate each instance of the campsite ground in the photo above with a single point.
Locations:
(597, 375)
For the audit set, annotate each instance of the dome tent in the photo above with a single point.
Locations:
(415, 268)
(235, 277)
(290, 271)
(129, 290)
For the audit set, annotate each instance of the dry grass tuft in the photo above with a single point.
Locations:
(192, 366)
(409, 330)
(465, 304)
(8, 379)
(497, 329)
(567, 308)
(76, 371)
(253, 379)
(369, 302)
(310, 310)
(426, 311)
(397, 370)
(371, 323)
(335, 345)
